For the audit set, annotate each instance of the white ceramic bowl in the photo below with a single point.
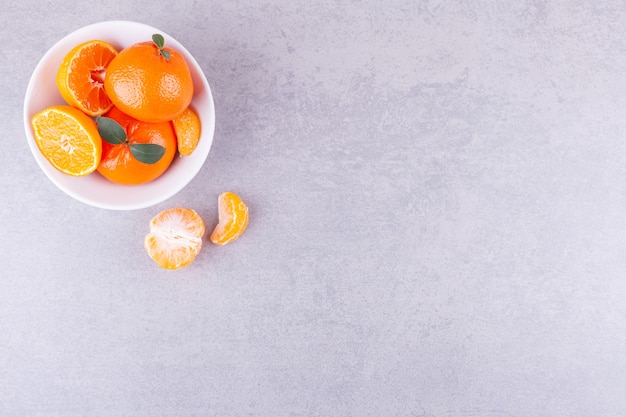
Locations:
(94, 189)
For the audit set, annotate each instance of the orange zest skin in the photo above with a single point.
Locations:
(233, 219)
(147, 86)
(175, 238)
(68, 139)
(120, 166)
(80, 77)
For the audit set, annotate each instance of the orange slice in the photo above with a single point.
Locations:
(68, 139)
(233, 219)
(187, 129)
(175, 237)
(80, 77)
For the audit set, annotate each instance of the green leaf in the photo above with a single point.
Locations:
(110, 130)
(158, 40)
(148, 153)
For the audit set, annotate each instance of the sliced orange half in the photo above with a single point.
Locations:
(233, 219)
(175, 237)
(80, 77)
(68, 139)
(187, 129)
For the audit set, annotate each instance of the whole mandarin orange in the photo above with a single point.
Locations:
(118, 163)
(149, 82)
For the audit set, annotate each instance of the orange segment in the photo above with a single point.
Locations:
(187, 129)
(233, 219)
(80, 77)
(68, 139)
(175, 237)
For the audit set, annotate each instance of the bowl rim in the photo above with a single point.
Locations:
(187, 173)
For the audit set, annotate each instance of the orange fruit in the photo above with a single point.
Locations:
(175, 237)
(68, 139)
(80, 77)
(147, 85)
(233, 219)
(118, 163)
(187, 130)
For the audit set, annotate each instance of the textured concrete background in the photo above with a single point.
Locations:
(438, 217)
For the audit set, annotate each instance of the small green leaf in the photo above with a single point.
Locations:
(110, 130)
(158, 40)
(148, 153)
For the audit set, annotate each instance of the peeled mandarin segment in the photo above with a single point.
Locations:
(175, 238)
(233, 219)
(68, 139)
(187, 129)
(169, 254)
(80, 77)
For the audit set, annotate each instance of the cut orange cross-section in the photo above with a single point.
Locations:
(80, 77)
(175, 237)
(68, 139)
(233, 219)
(187, 129)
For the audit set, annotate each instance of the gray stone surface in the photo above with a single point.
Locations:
(438, 216)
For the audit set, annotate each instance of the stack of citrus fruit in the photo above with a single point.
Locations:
(127, 115)
(140, 98)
